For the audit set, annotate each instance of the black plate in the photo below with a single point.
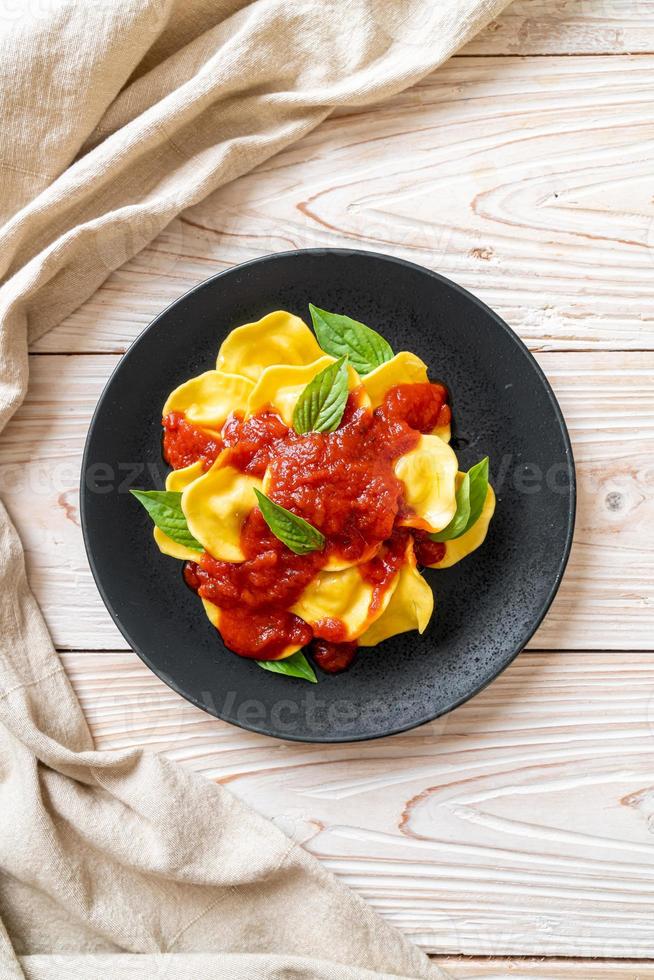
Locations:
(487, 607)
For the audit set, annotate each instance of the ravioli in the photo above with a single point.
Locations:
(403, 369)
(178, 480)
(215, 507)
(334, 562)
(171, 548)
(214, 614)
(428, 473)
(459, 548)
(348, 490)
(277, 338)
(444, 432)
(410, 606)
(342, 595)
(210, 398)
(281, 385)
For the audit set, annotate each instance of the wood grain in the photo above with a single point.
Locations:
(545, 969)
(527, 180)
(606, 598)
(520, 824)
(513, 837)
(584, 27)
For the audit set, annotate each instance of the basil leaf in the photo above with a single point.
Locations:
(321, 405)
(165, 509)
(296, 665)
(459, 522)
(470, 498)
(340, 335)
(293, 531)
(478, 489)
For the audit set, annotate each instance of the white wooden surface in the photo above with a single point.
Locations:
(513, 837)
(528, 180)
(545, 27)
(521, 822)
(547, 969)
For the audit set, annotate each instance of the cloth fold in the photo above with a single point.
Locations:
(114, 116)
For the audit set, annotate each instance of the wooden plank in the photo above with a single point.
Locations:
(544, 969)
(527, 180)
(606, 598)
(569, 27)
(520, 824)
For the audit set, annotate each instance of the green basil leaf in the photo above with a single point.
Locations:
(470, 498)
(459, 522)
(340, 335)
(293, 531)
(296, 665)
(478, 489)
(165, 509)
(321, 405)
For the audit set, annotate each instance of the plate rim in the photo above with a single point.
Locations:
(571, 513)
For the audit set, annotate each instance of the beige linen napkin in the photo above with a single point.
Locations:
(115, 115)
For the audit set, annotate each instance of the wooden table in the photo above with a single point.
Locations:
(513, 837)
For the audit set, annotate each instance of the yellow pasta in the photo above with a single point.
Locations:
(171, 548)
(215, 507)
(459, 548)
(342, 595)
(444, 432)
(405, 368)
(410, 606)
(281, 385)
(278, 338)
(428, 473)
(265, 365)
(210, 398)
(178, 480)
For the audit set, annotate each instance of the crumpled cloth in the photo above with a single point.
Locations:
(114, 116)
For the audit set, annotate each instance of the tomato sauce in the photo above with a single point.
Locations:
(381, 569)
(254, 595)
(427, 552)
(421, 406)
(342, 482)
(185, 443)
(334, 657)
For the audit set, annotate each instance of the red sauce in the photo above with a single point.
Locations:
(422, 406)
(254, 595)
(381, 569)
(333, 657)
(427, 552)
(253, 444)
(342, 482)
(185, 443)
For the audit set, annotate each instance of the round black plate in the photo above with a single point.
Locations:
(487, 607)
